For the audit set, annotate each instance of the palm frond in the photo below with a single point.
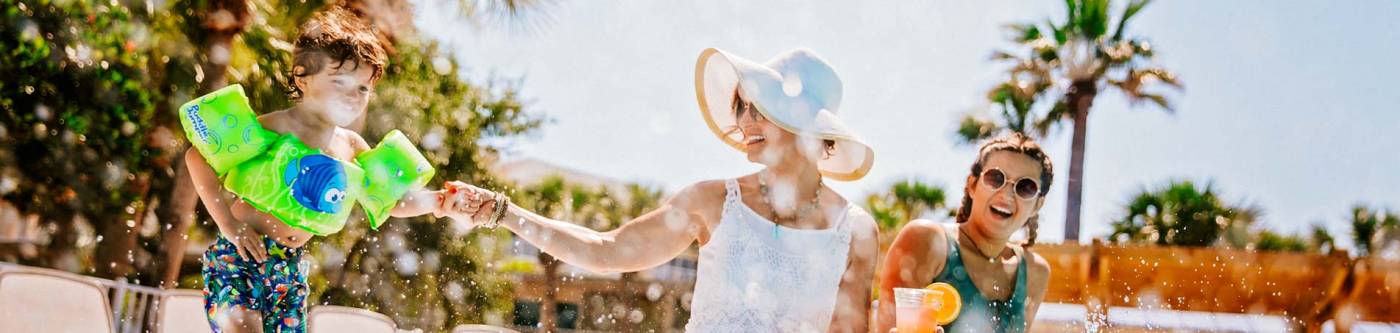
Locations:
(524, 14)
(1061, 36)
(1160, 74)
(1022, 32)
(1072, 12)
(1000, 55)
(1142, 48)
(1092, 19)
(1056, 117)
(1133, 8)
(972, 129)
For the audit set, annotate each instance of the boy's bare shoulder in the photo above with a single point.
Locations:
(352, 138)
(274, 121)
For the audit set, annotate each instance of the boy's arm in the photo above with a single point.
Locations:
(217, 201)
(417, 202)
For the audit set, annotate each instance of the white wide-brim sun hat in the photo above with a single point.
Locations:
(796, 90)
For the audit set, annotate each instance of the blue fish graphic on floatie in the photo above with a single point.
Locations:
(302, 186)
(317, 182)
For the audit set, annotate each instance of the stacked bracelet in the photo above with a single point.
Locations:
(499, 210)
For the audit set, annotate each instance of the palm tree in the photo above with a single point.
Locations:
(1180, 213)
(1373, 229)
(903, 202)
(1321, 240)
(1064, 66)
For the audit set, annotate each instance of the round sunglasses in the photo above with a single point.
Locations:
(1026, 188)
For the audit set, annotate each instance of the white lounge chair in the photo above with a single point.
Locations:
(481, 329)
(336, 319)
(182, 310)
(44, 300)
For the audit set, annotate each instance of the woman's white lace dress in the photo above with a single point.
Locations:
(754, 276)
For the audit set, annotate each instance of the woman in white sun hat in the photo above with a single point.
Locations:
(779, 250)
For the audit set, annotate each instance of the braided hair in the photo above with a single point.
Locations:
(1020, 143)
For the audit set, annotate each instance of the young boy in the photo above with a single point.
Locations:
(253, 275)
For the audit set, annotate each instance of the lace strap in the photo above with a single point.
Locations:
(731, 191)
(843, 227)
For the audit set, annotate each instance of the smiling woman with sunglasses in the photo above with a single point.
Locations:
(1001, 282)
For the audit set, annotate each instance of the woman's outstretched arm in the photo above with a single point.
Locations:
(641, 243)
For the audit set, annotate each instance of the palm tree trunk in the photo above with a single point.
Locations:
(61, 252)
(176, 215)
(115, 255)
(1081, 97)
(216, 68)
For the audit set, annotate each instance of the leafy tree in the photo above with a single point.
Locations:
(1180, 213)
(75, 112)
(1271, 241)
(903, 202)
(90, 134)
(598, 208)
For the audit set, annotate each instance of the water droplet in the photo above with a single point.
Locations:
(792, 84)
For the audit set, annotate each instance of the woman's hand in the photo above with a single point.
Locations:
(465, 202)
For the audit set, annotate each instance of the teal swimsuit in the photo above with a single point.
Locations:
(980, 314)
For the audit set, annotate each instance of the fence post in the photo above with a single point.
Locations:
(1096, 291)
(119, 311)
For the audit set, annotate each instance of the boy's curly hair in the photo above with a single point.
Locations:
(336, 37)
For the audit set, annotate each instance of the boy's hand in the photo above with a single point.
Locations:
(247, 240)
(249, 244)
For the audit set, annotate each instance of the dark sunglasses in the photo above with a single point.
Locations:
(1026, 188)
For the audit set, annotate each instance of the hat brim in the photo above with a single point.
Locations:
(718, 75)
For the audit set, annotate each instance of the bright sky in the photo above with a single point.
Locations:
(1289, 106)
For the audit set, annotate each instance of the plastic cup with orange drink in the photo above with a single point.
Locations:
(922, 310)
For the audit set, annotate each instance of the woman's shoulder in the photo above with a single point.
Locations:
(924, 229)
(862, 225)
(920, 248)
(1037, 268)
(704, 193)
(928, 237)
(708, 186)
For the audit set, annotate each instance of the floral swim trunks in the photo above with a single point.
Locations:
(276, 287)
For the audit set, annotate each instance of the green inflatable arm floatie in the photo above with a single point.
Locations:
(224, 129)
(392, 168)
(281, 176)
